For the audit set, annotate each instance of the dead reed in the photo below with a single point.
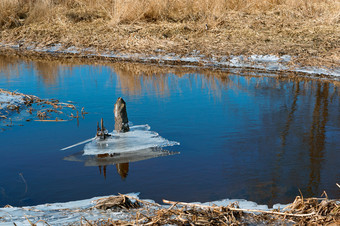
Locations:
(302, 211)
(47, 110)
(16, 12)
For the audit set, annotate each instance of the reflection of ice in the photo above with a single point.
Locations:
(125, 157)
(138, 138)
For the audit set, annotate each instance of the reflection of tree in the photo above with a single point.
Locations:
(290, 114)
(9, 66)
(317, 137)
(279, 156)
(48, 71)
(296, 124)
(134, 78)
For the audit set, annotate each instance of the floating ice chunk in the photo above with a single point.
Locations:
(139, 137)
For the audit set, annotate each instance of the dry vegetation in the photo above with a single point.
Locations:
(308, 29)
(39, 110)
(311, 211)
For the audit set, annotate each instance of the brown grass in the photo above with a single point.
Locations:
(130, 11)
(307, 29)
(310, 211)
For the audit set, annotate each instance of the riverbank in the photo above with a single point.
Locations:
(300, 36)
(129, 209)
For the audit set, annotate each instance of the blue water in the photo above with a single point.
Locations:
(241, 136)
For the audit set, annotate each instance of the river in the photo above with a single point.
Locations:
(243, 134)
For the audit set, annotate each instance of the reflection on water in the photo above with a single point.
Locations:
(122, 170)
(261, 138)
(121, 160)
(317, 137)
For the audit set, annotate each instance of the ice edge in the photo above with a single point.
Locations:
(264, 62)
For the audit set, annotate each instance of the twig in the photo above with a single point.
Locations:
(237, 209)
(50, 120)
(82, 142)
(41, 221)
(85, 220)
(29, 221)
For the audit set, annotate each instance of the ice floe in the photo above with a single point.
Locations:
(138, 138)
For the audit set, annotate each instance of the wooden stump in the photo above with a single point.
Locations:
(121, 118)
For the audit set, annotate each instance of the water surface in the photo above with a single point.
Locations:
(258, 138)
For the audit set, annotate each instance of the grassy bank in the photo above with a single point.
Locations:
(307, 29)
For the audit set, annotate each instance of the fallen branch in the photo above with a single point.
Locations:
(238, 209)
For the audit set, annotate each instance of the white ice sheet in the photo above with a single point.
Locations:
(139, 137)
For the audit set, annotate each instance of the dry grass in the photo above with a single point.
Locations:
(129, 11)
(310, 211)
(307, 29)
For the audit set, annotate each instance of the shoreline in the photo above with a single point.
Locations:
(299, 37)
(129, 209)
(261, 63)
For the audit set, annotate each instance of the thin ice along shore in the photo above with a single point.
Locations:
(268, 63)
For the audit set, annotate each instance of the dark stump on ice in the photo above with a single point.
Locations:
(121, 118)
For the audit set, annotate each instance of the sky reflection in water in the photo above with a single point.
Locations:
(257, 138)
